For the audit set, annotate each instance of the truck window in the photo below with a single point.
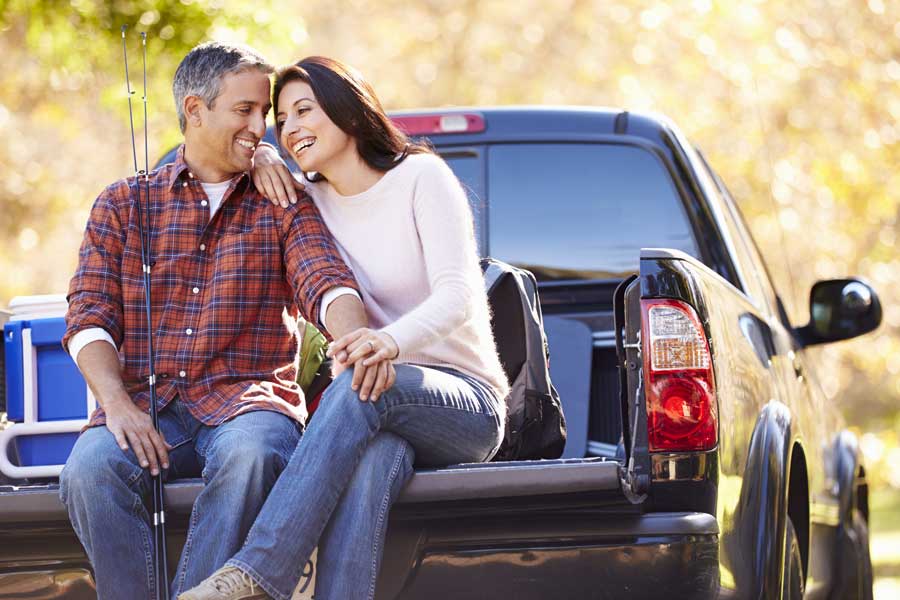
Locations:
(581, 211)
(468, 165)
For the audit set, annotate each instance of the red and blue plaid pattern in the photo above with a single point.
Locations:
(226, 292)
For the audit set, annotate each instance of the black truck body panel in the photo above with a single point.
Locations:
(613, 520)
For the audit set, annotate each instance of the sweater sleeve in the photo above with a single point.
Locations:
(444, 225)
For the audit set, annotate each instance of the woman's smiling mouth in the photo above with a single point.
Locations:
(303, 145)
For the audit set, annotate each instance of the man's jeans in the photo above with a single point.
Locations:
(354, 459)
(104, 489)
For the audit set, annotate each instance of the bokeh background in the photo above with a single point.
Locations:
(796, 104)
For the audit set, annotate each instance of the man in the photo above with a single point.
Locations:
(225, 263)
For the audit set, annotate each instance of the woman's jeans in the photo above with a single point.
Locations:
(350, 466)
(104, 489)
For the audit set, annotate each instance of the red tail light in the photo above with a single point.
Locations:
(681, 391)
(430, 124)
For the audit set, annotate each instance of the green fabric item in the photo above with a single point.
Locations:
(312, 355)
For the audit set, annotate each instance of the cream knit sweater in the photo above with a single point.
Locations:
(410, 242)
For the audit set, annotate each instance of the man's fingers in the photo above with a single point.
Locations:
(149, 451)
(392, 376)
(159, 443)
(365, 390)
(358, 374)
(341, 344)
(380, 380)
(138, 448)
(120, 439)
(298, 185)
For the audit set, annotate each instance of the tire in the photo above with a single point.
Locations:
(855, 577)
(793, 582)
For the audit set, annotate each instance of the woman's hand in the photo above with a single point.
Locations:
(371, 353)
(272, 177)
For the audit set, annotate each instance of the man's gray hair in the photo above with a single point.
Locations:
(201, 72)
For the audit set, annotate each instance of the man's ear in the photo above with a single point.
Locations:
(193, 110)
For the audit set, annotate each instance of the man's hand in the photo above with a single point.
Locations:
(133, 427)
(272, 178)
(99, 364)
(370, 352)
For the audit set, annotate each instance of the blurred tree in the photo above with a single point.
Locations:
(795, 104)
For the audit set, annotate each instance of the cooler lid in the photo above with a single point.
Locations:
(36, 307)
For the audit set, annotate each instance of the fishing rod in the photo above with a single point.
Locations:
(160, 556)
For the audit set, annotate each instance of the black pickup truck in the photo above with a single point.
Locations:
(703, 459)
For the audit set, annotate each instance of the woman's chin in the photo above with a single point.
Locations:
(305, 164)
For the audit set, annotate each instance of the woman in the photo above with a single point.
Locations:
(403, 224)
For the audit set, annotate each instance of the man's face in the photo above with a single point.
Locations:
(227, 134)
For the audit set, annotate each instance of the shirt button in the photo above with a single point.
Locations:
(203, 203)
(189, 331)
(191, 175)
(184, 184)
(196, 290)
(182, 374)
(203, 246)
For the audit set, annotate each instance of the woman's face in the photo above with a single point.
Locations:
(307, 133)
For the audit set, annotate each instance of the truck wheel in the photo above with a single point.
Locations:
(854, 561)
(793, 565)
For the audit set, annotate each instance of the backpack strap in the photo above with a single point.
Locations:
(492, 274)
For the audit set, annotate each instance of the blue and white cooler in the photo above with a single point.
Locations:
(48, 401)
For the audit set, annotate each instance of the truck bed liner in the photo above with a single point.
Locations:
(457, 482)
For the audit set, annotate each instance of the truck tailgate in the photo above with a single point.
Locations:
(41, 504)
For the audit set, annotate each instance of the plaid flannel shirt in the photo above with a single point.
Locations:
(225, 293)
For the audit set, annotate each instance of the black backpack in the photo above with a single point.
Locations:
(536, 426)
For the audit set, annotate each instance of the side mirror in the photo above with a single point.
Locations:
(840, 309)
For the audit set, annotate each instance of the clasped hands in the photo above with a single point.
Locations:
(370, 352)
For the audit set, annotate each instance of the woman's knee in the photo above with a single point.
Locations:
(340, 399)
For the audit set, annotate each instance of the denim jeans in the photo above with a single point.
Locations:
(104, 490)
(351, 464)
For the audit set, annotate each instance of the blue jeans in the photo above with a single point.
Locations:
(104, 490)
(354, 459)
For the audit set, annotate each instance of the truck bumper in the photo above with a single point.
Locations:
(660, 555)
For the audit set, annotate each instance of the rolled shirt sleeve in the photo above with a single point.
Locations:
(313, 264)
(332, 295)
(95, 292)
(84, 337)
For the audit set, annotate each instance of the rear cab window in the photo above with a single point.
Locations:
(572, 211)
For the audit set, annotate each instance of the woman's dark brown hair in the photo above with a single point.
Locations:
(351, 104)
